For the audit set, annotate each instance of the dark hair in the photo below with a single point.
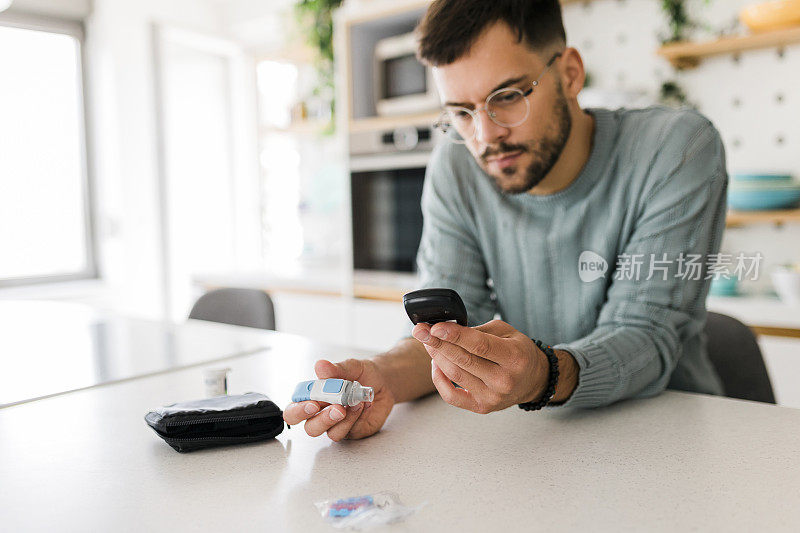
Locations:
(450, 27)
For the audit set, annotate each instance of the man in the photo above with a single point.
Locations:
(525, 208)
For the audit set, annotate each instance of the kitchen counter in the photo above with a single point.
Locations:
(86, 461)
(766, 315)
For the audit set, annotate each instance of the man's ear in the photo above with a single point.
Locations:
(573, 76)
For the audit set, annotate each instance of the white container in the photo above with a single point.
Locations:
(216, 380)
(787, 284)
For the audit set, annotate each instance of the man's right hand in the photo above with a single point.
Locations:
(357, 422)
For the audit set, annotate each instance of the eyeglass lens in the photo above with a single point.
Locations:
(507, 108)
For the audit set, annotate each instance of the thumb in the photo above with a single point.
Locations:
(349, 369)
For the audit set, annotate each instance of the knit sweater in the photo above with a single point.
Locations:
(649, 199)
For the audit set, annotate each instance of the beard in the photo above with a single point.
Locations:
(545, 152)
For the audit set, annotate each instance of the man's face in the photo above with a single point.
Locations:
(517, 157)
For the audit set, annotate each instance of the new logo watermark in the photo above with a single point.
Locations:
(591, 266)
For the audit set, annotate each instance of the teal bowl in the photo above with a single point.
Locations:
(755, 177)
(763, 199)
(723, 287)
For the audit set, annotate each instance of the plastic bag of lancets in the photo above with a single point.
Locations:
(364, 512)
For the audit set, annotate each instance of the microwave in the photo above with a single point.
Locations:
(403, 85)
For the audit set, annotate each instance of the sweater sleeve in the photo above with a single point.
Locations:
(644, 323)
(449, 254)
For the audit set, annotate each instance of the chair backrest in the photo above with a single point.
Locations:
(735, 354)
(241, 307)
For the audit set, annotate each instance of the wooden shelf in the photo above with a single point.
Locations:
(738, 218)
(388, 122)
(688, 54)
(776, 332)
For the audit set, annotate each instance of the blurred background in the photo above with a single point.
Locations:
(151, 151)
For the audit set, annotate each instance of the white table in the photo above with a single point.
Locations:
(86, 461)
(49, 348)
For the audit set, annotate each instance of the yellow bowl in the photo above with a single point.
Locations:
(773, 15)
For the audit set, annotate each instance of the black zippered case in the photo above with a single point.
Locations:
(189, 426)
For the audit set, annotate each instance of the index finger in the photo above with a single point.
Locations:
(498, 328)
(297, 412)
(472, 340)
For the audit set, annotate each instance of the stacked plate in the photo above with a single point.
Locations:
(763, 192)
(786, 280)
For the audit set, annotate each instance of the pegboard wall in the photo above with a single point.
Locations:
(753, 98)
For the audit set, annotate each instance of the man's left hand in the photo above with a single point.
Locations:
(496, 365)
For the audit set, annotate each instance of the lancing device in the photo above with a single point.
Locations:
(338, 391)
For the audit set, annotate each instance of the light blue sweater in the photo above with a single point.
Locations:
(654, 183)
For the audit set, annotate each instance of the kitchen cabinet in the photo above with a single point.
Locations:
(366, 324)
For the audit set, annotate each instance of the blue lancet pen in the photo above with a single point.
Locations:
(339, 391)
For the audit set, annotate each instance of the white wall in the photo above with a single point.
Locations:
(257, 25)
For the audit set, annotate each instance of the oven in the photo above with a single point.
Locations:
(387, 172)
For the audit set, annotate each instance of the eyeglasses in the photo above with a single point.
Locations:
(507, 107)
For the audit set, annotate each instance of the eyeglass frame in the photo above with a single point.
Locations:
(474, 112)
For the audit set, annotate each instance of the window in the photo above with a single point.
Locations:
(282, 234)
(44, 196)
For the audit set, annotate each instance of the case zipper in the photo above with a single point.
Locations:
(218, 419)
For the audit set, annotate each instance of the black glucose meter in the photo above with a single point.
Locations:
(435, 305)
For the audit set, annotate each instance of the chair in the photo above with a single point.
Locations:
(241, 307)
(735, 354)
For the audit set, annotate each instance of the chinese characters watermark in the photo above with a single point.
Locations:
(646, 267)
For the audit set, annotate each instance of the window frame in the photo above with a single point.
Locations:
(75, 29)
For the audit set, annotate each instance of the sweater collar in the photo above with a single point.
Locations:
(602, 143)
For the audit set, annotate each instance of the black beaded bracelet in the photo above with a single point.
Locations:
(551, 380)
